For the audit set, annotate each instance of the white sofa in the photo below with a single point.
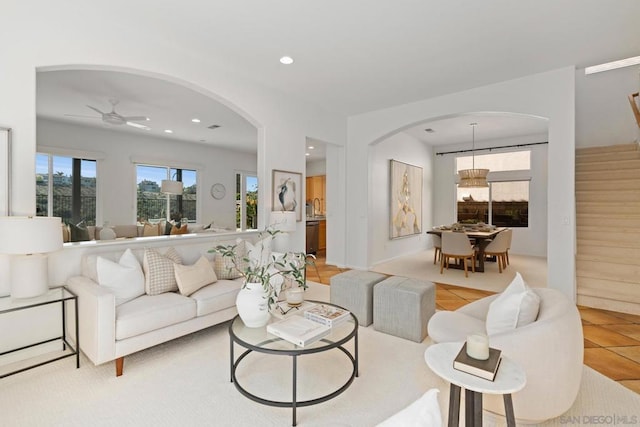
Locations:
(550, 350)
(110, 332)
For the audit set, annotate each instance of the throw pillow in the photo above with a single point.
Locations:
(168, 225)
(516, 306)
(225, 268)
(179, 229)
(159, 275)
(190, 278)
(107, 233)
(260, 253)
(79, 232)
(123, 278)
(65, 233)
(423, 412)
(150, 229)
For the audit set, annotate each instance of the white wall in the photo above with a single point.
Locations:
(603, 113)
(531, 240)
(117, 172)
(404, 148)
(549, 95)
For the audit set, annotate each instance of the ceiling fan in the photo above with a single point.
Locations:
(114, 118)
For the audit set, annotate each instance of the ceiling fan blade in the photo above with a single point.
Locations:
(96, 110)
(135, 119)
(138, 125)
(84, 117)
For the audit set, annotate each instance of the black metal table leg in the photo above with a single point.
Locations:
(294, 401)
(454, 405)
(508, 409)
(231, 357)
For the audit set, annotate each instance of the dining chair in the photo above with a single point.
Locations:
(456, 245)
(509, 232)
(437, 247)
(499, 247)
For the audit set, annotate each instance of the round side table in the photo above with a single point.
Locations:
(509, 379)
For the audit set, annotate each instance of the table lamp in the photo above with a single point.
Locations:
(285, 222)
(28, 239)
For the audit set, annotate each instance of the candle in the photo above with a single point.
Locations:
(478, 346)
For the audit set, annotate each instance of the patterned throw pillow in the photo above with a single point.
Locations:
(159, 274)
(225, 268)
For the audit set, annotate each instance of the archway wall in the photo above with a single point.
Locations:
(550, 95)
(95, 40)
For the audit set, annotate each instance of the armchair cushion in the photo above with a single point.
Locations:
(515, 307)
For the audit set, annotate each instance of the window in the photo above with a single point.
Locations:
(66, 188)
(246, 201)
(153, 205)
(506, 202)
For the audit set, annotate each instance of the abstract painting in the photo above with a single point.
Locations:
(287, 192)
(406, 199)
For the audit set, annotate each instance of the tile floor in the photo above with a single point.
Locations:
(611, 340)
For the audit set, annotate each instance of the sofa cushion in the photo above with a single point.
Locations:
(159, 274)
(217, 296)
(446, 326)
(190, 278)
(148, 313)
(129, 230)
(123, 278)
(516, 306)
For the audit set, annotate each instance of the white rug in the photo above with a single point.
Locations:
(420, 266)
(186, 383)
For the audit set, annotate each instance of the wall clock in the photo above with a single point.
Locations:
(218, 191)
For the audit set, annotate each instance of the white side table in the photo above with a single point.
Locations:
(509, 379)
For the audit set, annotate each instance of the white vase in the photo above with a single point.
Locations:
(252, 305)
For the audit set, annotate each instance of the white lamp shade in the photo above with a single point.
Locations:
(171, 187)
(22, 235)
(284, 221)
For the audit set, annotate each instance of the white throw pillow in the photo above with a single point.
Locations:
(260, 253)
(124, 278)
(190, 278)
(424, 412)
(516, 306)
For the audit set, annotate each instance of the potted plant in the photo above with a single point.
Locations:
(264, 276)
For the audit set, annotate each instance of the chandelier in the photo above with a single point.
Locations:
(473, 177)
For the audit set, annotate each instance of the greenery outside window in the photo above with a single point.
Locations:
(66, 188)
(153, 205)
(246, 201)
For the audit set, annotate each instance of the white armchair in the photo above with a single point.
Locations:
(550, 350)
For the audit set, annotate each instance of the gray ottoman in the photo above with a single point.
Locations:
(353, 290)
(403, 307)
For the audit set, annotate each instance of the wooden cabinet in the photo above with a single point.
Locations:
(322, 235)
(316, 189)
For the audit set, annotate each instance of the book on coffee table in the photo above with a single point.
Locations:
(298, 330)
(486, 369)
(327, 314)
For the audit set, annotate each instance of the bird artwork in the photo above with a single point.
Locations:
(287, 195)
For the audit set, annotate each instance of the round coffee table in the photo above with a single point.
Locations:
(259, 340)
(509, 379)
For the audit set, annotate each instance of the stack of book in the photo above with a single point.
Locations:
(327, 315)
(486, 369)
(298, 330)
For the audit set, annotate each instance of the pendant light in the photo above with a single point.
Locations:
(472, 178)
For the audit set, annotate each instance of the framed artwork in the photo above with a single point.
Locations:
(405, 196)
(287, 192)
(5, 171)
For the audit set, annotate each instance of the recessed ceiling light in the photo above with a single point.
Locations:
(195, 120)
(307, 154)
(613, 65)
(168, 131)
(311, 147)
(286, 60)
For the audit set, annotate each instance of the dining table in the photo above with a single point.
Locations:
(482, 238)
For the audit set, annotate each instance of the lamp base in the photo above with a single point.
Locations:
(29, 275)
